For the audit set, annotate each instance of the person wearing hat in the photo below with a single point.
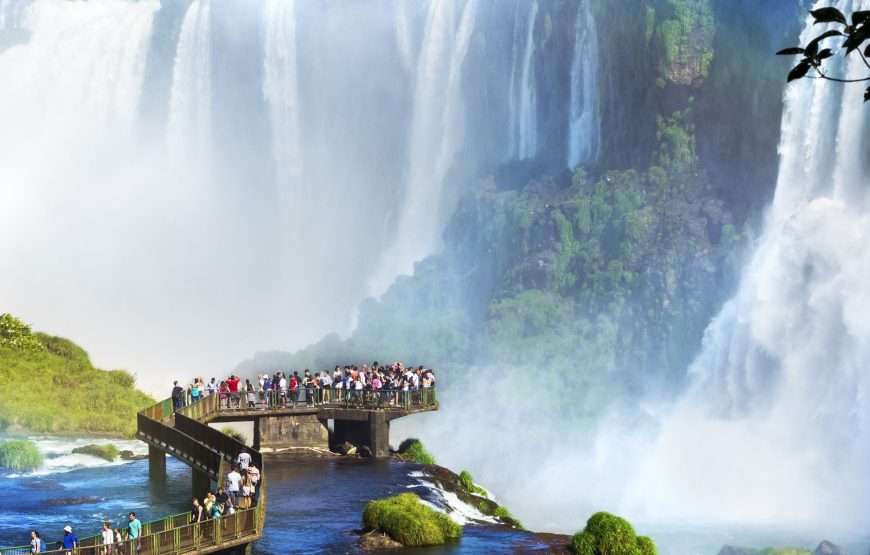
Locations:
(70, 541)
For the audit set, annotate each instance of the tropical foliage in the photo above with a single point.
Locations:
(408, 521)
(607, 534)
(19, 454)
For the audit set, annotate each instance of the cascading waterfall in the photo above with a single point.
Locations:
(522, 94)
(190, 101)
(280, 86)
(436, 135)
(584, 133)
(776, 427)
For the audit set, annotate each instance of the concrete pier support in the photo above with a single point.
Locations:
(373, 433)
(156, 463)
(277, 433)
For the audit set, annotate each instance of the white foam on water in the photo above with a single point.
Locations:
(59, 458)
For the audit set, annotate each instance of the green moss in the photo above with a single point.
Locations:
(105, 452)
(413, 450)
(686, 41)
(19, 454)
(235, 434)
(57, 389)
(408, 521)
(607, 534)
(502, 513)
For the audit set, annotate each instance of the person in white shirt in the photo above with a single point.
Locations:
(244, 460)
(211, 388)
(234, 482)
(108, 536)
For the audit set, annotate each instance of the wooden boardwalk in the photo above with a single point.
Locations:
(186, 435)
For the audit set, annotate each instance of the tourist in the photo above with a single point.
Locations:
(119, 538)
(177, 396)
(211, 388)
(195, 391)
(251, 394)
(282, 386)
(70, 541)
(254, 475)
(216, 511)
(196, 513)
(244, 460)
(233, 385)
(234, 483)
(207, 503)
(221, 497)
(35, 542)
(135, 528)
(108, 537)
(247, 492)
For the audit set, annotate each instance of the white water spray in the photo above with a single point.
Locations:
(522, 93)
(436, 136)
(776, 428)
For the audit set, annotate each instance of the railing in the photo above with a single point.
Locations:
(180, 445)
(225, 445)
(329, 398)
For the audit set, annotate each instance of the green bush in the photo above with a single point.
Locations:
(235, 434)
(15, 334)
(408, 521)
(413, 450)
(106, 452)
(607, 534)
(19, 454)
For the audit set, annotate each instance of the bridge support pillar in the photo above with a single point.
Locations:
(373, 433)
(201, 483)
(156, 463)
(257, 435)
(277, 433)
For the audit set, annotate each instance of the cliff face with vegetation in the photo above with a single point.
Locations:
(603, 279)
(50, 386)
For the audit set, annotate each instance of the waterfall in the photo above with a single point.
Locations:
(190, 100)
(584, 133)
(522, 93)
(280, 88)
(776, 426)
(435, 136)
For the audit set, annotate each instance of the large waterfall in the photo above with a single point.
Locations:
(584, 134)
(522, 96)
(776, 428)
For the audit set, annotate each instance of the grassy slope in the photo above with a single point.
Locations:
(57, 389)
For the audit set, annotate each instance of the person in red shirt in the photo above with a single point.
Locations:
(294, 388)
(233, 385)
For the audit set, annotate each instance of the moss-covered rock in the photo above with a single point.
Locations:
(468, 484)
(608, 534)
(106, 452)
(408, 521)
(413, 450)
(20, 454)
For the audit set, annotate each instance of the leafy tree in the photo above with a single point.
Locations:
(814, 64)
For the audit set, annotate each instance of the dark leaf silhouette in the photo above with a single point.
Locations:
(860, 17)
(799, 71)
(857, 38)
(825, 54)
(867, 94)
(828, 15)
(790, 51)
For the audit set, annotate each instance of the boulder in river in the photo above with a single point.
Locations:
(376, 541)
(365, 452)
(131, 456)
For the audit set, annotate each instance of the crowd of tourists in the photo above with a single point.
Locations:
(110, 539)
(387, 384)
(240, 491)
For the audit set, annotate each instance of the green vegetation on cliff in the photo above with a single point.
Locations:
(413, 450)
(19, 454)
(607, 534)
(51, 386)
(408, 521)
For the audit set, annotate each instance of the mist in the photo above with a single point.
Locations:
(188, 185)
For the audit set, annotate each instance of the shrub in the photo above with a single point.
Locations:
(467, 483)
(607, 534)
(105, 452)
(408, 521)
(15, 334)
(413, 450)
(503, 514)
(20, 454)
(235, 434)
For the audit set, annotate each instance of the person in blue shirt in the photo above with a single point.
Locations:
(135, 527)
(70, 541)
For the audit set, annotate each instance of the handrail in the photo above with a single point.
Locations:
(385, 399)
(191, 451)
